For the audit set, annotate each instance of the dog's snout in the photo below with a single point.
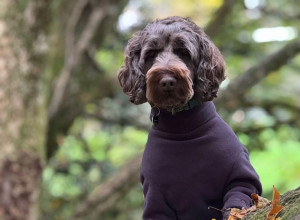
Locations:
(167, 83)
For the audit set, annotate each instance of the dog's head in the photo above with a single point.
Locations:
(169, 62)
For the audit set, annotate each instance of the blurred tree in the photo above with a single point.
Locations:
(23, 34)
(39, 39)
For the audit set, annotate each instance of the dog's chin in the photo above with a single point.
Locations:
(169, 102)
(171, 105)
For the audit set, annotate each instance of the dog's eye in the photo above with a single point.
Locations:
(179, 43)
(151, 54)
(182, 52)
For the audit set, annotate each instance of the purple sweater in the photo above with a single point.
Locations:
(194, 160)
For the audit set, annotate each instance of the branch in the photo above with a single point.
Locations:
(255, 74)
(73, 105)
(122, 121)
(107, 194)
(71, 26)
(93, 63)
(268, 104)
(292, 122)
(75, 57)
(220, 16)
(280, 14)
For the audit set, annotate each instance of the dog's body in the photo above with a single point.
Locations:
(193, 159)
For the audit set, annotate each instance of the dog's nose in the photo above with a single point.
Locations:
(167, 83)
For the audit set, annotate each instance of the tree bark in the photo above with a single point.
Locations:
(291, 211)
(22, 107)
(29, 58)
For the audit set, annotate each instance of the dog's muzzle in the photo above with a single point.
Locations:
(170, 85)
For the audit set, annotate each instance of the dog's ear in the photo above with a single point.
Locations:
(210, 69)
(130, 76)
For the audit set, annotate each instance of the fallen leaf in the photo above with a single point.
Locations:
(236, 214)
(276, 207)
(232, 218)
(259, 201)
(252, 208)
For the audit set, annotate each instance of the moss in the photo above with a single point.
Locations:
(258, 215)
(291, 203)
(291, 211)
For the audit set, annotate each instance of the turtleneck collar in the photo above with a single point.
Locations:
(184, 121)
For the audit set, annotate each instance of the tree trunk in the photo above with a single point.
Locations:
(291, 211)
(30, 58)
(22, 107)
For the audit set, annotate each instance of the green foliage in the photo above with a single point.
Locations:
(127, 145)
(279, 163)
(110, 60)
(82, 162)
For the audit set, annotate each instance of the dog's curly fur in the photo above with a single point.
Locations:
(169, 63)
(173, 49)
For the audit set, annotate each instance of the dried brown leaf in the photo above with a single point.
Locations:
(236, 214)
(259, 201)
(276, 207)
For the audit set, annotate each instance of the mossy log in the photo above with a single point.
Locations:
(291, 211)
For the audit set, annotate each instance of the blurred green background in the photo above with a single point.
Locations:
(97, 132)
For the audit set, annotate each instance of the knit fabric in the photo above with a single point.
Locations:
(194, 160)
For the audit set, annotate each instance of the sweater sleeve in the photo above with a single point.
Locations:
(241, 183)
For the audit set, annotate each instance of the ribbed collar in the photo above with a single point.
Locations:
(184, 121)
